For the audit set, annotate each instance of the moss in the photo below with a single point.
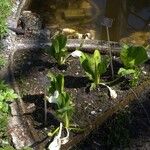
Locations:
(5, 7)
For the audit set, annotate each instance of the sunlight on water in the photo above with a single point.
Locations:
(131, 19)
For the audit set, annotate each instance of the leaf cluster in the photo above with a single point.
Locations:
(58, 49)
(94, 66)
(56, 83)
(132, 57)
(65, 106)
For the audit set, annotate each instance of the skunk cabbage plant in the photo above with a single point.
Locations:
(58, 96)
(58, 49)
(93, 65)
(132, 57)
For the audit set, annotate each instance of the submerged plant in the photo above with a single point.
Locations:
(58, 49)
(132, 57)
(93, 65)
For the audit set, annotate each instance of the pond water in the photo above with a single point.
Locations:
(131, 18)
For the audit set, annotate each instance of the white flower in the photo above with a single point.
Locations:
(53, 98)
(113, 93)
(58, 141)
(76, 53)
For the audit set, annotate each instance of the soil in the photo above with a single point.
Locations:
(127, 129)
(91, 108)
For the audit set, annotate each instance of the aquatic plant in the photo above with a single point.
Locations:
(132, 57)
(58, 96)
(58, 49)
(93, 65)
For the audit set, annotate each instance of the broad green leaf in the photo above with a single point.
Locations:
(97, 57)
(58, 49)
(62, 40)
(89, 68)
(1, 97)
(102, 66)
(56, 84)
(82, 57)
(94, 66)
(55, 44)
(133, 56)
(60, 83)
(124, 72)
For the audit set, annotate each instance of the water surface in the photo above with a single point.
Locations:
(131, 18)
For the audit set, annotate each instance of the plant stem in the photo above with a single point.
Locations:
(66, 121)
(110, 54)
(45, 110)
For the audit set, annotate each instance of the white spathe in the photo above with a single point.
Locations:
(76, 53)
(58, 141)
(113, 93)
(53, 98)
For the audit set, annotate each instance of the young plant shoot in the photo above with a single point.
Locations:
(58, 49)
(93, 65)
(61, 98)
(132, 57)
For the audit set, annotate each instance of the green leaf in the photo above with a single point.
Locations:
(58, 49)
(132, 56)
(124, 72)
(65, 108)
(60, 83)
(1, 97)
(103, 66)
(133, 73)
(55, 46)
(62, 40)
(56, 84)
(97, 57)
(89, 68)
(94, 66)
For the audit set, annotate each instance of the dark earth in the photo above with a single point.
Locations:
(126, 129)
(30, 70)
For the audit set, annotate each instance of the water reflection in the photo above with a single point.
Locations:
(129, 17)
